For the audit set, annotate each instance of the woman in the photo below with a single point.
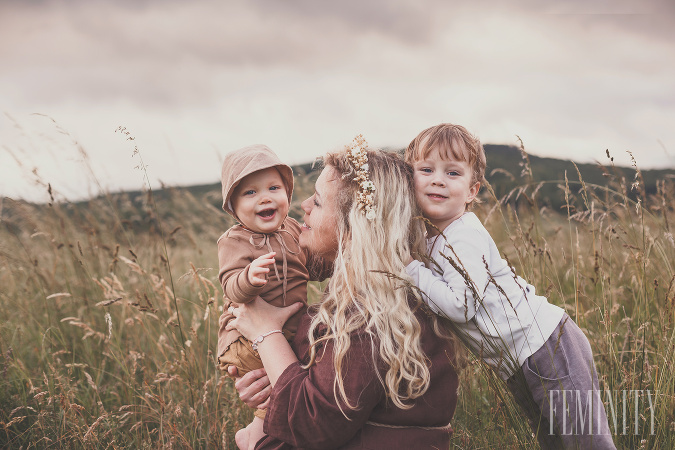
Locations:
(370, 372)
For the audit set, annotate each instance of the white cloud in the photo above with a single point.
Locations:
(194, 80)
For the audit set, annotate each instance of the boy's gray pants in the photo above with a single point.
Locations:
(557, 388)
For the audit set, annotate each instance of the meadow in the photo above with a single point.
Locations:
(109, 312)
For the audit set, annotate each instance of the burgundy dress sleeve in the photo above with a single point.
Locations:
(303, 411)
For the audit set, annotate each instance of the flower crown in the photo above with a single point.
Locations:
(358, 157)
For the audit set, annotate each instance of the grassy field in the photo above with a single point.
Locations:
(109, 308)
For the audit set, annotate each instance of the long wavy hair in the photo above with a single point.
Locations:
(369, 288)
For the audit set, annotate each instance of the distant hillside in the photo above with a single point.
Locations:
(505, 171)
(505, 166)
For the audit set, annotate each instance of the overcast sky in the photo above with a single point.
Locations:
(192, 80)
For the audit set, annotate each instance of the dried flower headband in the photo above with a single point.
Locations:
(358, 157)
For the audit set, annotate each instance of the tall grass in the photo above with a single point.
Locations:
(609, 261)
(95, 351)
(108, 313)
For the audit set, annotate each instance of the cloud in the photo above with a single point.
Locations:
(196, 79)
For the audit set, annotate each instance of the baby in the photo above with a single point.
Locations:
(257, 189)
(533, 345)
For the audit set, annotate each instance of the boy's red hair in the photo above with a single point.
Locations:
(449, 139)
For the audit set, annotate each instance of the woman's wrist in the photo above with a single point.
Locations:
(261, 329)
(276, 354)
(255, 342)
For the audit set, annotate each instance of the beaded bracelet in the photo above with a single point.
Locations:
(259, 339)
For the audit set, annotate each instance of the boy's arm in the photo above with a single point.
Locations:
(234, 260)
(458, 292)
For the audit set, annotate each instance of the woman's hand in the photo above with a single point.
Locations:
(258, 317)
(254, 388)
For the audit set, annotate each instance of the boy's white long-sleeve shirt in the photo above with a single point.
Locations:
(497, 311)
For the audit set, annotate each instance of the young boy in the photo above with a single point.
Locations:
(257, 190)
(534, 346)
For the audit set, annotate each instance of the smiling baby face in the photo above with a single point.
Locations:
(260, 201)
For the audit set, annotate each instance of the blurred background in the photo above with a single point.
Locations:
(191, 81)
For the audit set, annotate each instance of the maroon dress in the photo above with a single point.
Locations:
(303, 412)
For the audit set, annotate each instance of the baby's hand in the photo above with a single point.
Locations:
(257, 273)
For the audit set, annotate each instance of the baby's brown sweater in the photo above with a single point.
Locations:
(237, 248)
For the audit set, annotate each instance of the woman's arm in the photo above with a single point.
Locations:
(277, 355)
(257, 318)
(303, 409)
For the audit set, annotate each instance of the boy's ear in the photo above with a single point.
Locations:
(473, 191)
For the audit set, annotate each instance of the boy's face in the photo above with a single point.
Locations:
(260, 201)
(443, 188)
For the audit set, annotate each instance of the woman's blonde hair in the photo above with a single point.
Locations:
(369, 289)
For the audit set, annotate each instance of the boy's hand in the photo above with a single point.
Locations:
(257, 273)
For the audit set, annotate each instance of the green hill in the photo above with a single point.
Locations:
(507, 171)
